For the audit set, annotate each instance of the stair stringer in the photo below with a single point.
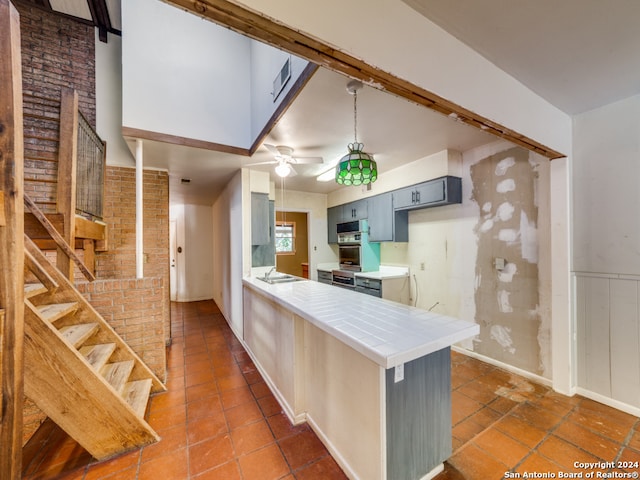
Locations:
(85, 313)
(77, 398)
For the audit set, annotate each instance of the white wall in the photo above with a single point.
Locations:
(606, 172)
(109, 100)
(184, 76)
(194, 265)
(266, 63)
(229, 250)
(606, 260)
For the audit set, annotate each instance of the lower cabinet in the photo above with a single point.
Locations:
(325, 277)
(369, 286)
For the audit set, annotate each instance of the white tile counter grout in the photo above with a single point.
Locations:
(386, 332)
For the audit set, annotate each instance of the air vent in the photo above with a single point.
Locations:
(185, 180)
(282, 78)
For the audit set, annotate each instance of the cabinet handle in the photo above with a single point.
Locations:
(413, 197)
(417, 197)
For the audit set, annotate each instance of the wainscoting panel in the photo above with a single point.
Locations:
(608, 335)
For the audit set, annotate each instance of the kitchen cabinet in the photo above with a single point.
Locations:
(369, 286)
(347, 212)
(385, 223)
(260, 226)
(440, 191)
(325, 277)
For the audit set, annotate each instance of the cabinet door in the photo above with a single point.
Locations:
(404, 198)
(430, 192)
(381, 218)
(260, 234)
(334, 216)
(359, 209)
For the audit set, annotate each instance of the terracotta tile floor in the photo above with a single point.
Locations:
(218, 420)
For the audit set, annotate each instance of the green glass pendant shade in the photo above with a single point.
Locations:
(356, 167)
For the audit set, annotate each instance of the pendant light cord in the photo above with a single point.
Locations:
(355, 116)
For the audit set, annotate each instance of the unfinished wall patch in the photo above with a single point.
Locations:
(507, 300)
(504, 165)
(502, 336)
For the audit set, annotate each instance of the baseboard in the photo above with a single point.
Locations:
(610, 402)
(505, 366)
(194, 299)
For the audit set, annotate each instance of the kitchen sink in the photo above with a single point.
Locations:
(280, 278)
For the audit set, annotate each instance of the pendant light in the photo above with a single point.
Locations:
(356, 167)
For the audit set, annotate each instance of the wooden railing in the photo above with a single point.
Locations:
(58, 137)
(90, 171)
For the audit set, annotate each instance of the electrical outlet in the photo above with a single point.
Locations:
(398, 373)
(499, 263)
(421, 265)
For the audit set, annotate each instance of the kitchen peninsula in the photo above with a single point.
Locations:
(371, 376)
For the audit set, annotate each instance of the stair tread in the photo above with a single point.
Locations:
(117, 373)
(33, 289)
(98, 355)
(78, 334)
(136, 394)
(56, 311)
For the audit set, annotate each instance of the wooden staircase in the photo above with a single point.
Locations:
(78, 371)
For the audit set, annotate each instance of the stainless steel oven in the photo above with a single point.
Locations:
(349, 257)
(343, 278)
(350, 236)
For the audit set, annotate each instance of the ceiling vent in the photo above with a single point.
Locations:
(282, 78)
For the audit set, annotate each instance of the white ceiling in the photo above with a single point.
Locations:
(320, 123)
(577, 54)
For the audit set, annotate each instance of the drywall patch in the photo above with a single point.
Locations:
(507, 185)
(502, 335)
(507, 300)
(504, 165)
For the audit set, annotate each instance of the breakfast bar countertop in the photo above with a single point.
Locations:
(386, 332)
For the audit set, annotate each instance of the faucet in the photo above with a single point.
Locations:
(269, 273)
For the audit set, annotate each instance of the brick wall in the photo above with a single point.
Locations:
(57, 52)
(119, 262)
(135, 310)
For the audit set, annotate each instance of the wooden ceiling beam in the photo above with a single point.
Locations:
(101, 19)
(259, 27)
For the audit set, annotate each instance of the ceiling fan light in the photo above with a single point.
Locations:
(356, 167)
(283, 169)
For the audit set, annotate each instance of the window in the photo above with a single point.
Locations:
(285, 238)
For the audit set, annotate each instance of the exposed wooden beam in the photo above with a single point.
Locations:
(11, 245)
(259, 27)
(101, 18)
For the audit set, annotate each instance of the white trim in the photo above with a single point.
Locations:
(332, 449)
(434, 473)
(139, 209)
(505, 366)
(610, 402)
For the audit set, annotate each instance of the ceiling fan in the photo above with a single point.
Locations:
(284, 160)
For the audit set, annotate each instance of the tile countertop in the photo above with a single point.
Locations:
(385, 271)
(386, 332)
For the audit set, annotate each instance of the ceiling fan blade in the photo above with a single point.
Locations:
(272, 149)
(307, 160)
(293, 172)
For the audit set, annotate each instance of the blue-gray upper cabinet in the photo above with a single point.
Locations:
(344, 213)
(386, 224)
(260, 228)
(440, 191)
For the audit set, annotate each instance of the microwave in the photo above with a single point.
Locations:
(355, 226)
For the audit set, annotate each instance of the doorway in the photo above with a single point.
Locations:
(292, 243)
